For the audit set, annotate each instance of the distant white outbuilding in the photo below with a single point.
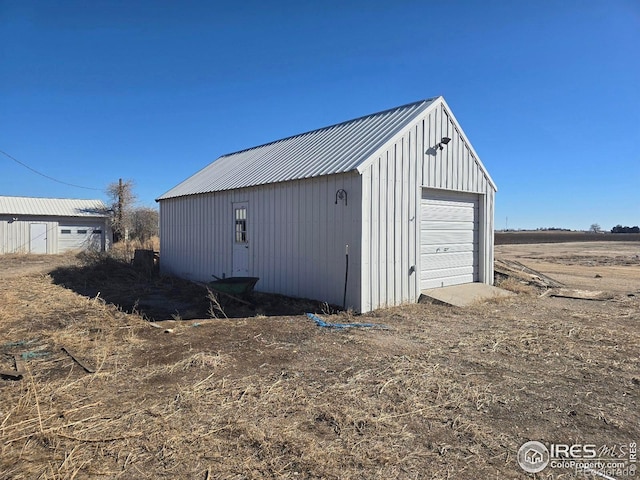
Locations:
(53, 225)
(402, 191)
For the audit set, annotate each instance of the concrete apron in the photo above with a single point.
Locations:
(465, 294)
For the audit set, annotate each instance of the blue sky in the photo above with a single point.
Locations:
(548, 92)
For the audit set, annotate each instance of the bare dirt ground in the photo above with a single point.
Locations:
(613, 267)
(17, 265)
(441, 393)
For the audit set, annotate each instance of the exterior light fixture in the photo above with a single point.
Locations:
(433, 150)
(443, 142)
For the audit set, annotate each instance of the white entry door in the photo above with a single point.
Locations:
(38, 238)
(240, 240)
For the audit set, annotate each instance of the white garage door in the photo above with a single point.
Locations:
(80, 237)
(448, 239)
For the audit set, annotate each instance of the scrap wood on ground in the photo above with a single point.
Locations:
(580, 294)
(16, 374)
(512, 269)
(522, 273)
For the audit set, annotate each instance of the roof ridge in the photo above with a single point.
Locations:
(53, 198)
(315, 130)
(61, 207)
(337, 148)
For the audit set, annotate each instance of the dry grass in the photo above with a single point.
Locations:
(444, 393)
(215, 308)
(124, 250)
(517, 286)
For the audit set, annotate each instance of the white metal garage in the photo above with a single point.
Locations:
(365, 214)
(449, 247)
(53, 225)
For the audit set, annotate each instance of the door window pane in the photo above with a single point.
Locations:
(241, 225)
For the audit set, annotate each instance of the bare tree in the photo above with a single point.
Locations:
(122, 201)
(144, 223)
(595, 228)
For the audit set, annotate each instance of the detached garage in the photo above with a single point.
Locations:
(367, 213)
(53, 225)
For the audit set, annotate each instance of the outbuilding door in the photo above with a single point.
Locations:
(38, 238)
(240, 239)
(80, 237)
(449, 232)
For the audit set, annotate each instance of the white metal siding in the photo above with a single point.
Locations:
(18, 213)
(390, 198)
(297, 236)
(449, 246)
(457, 167)
(392, 184)
(15, 234)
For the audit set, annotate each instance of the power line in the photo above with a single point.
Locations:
(47, 176)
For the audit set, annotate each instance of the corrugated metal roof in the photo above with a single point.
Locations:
(60, 207)
(334, 149)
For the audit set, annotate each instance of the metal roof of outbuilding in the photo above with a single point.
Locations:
(335, 149)
(59, 207)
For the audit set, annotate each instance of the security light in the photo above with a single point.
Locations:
(443, 142)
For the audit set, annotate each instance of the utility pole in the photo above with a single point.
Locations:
(122, 200)
(120, 203)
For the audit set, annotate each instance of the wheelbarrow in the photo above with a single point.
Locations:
(234, 287)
